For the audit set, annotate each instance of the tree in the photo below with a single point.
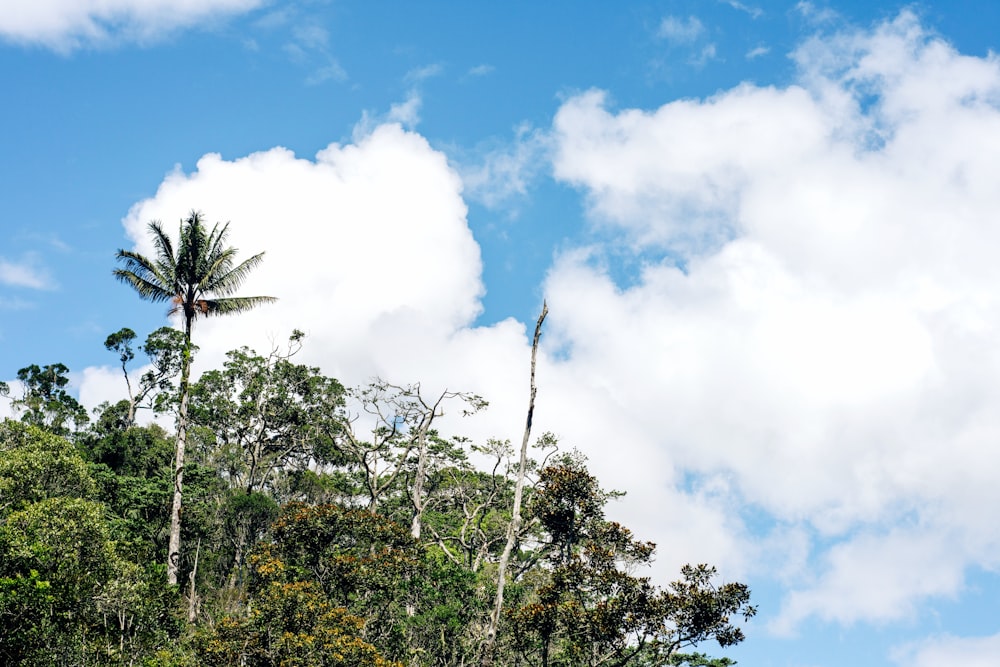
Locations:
(198, 279)
(514, 528)
(403, 440)
(45, 402)
(36, 464)
(68, 595)
(591, 611)
(361, 561)
(289, 622)
(469, 516)
(267, 416)
(164, 347)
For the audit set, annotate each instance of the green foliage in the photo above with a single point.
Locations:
(468, 514)
(246, 516)
(60, 573)
(591, 610)
(61, 535)
(269, 416)
(165, 349)
(68, 592)
(131, 466)
(313, 593)
(36, 464)
(360, 560)
(46, 403)
(121, 342)
(446, 623)
(409, 580)
(418, 607)
(290, 624)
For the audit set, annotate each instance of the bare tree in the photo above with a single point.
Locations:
(514, 528)
(401, 439)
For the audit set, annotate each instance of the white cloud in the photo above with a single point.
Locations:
(706, 54)
(754, 12)
(332, 71)
(421, 74)
(876, 578)
(757, 52)
(480, 70)
(507, 172)
(827, 343)
(66, 25)
(814, 14)
(26, 272)
(15, 390)
(311, 36)
(406, 113)
(370, 253)
(824, 353)
(947, 651)
(309, 46)
(368, 249)
(680, 31)
(330, 217)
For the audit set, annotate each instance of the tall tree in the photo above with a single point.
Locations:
(514, 528)
(591, 610)
(198, 278)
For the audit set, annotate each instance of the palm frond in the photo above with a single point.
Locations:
(148, 290)
(193, 274)
(164, 246)
(215, 241)
(217, 267)
(234, 304)
(144, 269)
(191, 249)
(135, 262)
(226, 283)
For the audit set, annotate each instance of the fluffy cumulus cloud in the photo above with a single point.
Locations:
(370, 253)
(814, 329)
(368, 249)
(65, 25)
(811, 338)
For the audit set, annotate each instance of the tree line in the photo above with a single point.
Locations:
(289, 520)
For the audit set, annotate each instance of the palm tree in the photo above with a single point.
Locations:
(197, 280)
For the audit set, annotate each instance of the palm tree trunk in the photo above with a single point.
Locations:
(174, 549)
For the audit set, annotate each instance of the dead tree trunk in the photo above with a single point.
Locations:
(514, 528)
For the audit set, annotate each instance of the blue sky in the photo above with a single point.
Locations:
(766, 232)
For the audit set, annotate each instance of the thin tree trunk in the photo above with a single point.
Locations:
(174, 549)
(131, 398)
(235, 574)
(422, 454)
(193, 594)
(514, 528)
(418, 488)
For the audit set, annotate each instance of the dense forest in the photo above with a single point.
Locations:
(288, 520)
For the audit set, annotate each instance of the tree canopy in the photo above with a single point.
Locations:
(320, 525)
